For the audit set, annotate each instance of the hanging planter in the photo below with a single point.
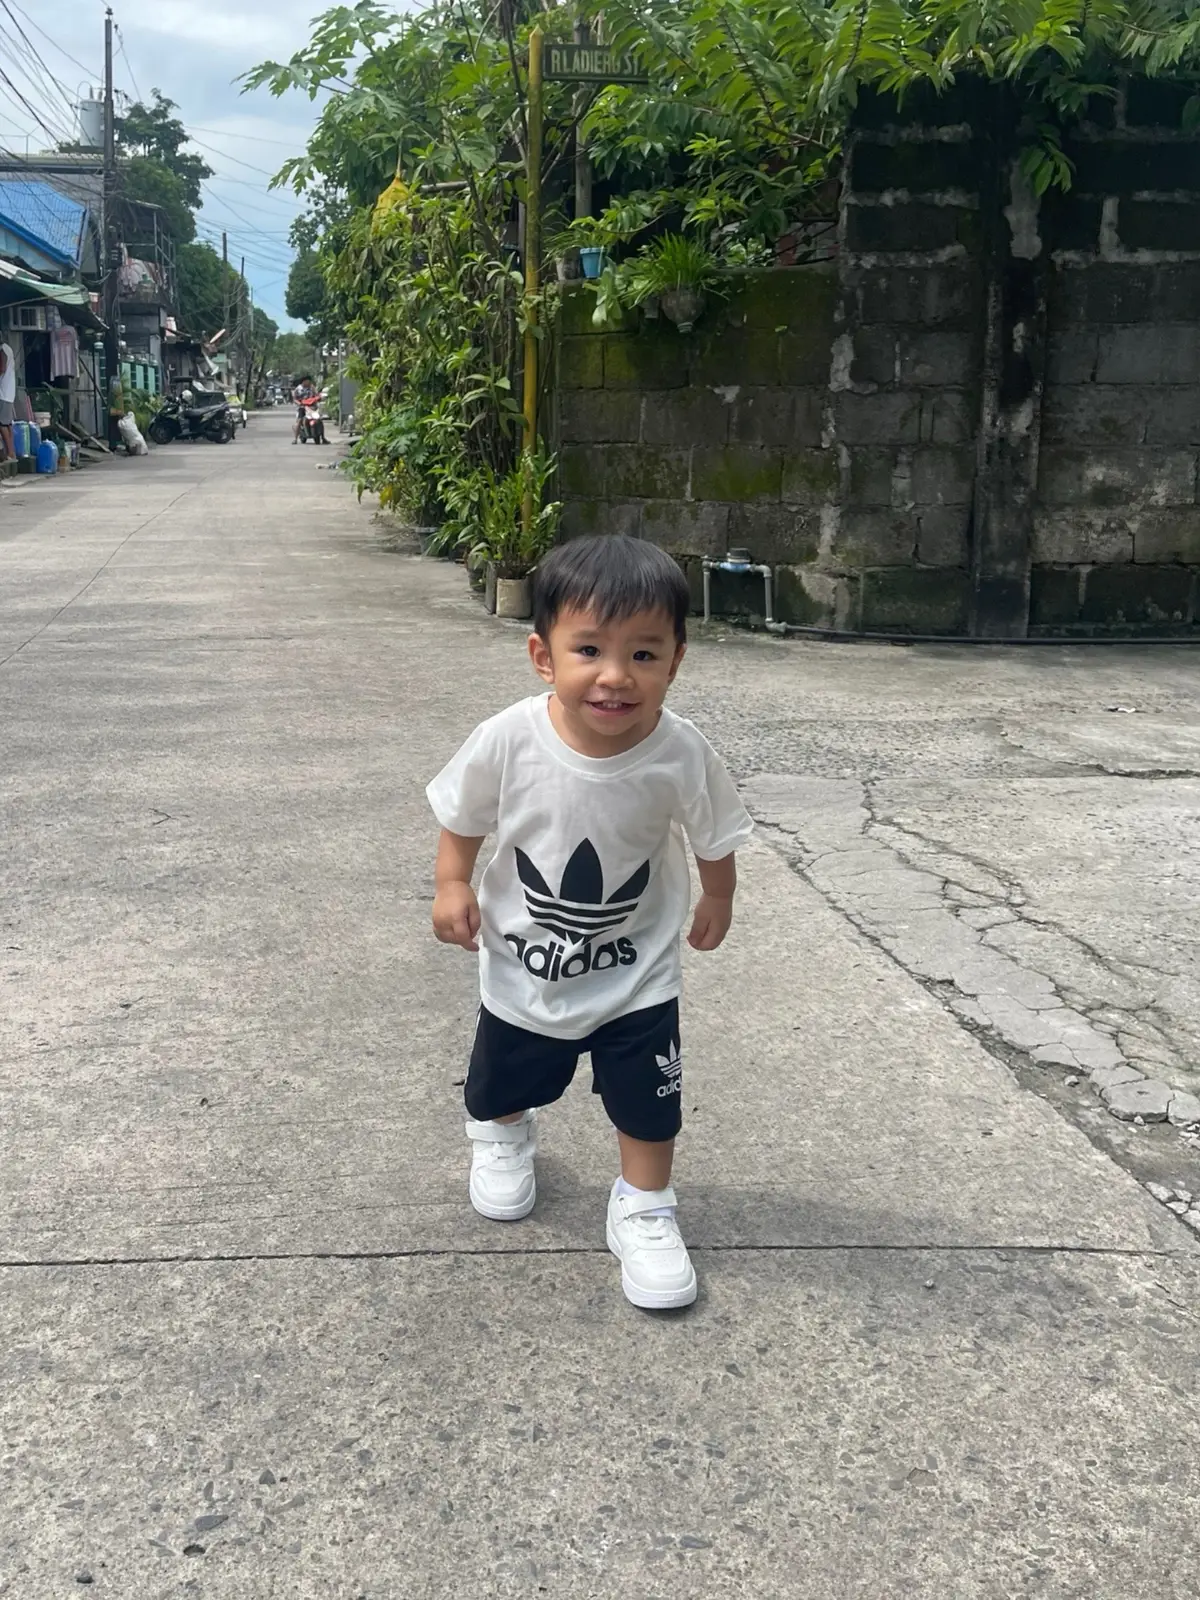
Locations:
(682, 307)
(675, 278)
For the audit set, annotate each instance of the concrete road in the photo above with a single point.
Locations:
(256, 1344)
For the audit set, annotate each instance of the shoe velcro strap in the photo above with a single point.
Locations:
(499, 1132)
(637, 1205)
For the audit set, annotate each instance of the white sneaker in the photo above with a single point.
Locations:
(503, 1186)
(656, 1270)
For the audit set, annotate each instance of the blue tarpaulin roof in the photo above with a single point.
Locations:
(47, 219)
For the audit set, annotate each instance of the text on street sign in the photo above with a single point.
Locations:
(591, 63)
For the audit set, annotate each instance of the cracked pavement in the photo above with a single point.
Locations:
(257, 1344)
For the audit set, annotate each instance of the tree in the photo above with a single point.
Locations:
(794, 72)
(154, 134)
(307, 297)
(263, 333)
(205, 284)
(292, 354)
(148, 181)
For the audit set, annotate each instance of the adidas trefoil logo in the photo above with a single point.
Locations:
(579, 917)
(671, 1067)
(579, 912)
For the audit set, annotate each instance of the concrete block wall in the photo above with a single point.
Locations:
(1116, 542)
(707, 440)
(983, 416)
(904, 376)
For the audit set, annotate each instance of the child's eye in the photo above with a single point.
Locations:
(588, 650)
(643, 655)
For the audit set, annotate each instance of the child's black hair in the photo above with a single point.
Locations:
(612, 576)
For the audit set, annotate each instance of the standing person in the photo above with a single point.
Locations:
(590, 790)
(8, 398)
(304, 390)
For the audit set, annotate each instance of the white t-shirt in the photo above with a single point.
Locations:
(8, 378)
(583, 902)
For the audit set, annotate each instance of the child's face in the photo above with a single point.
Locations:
(609, 680)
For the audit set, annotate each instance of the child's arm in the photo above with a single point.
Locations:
(714, 909)
(455, 908)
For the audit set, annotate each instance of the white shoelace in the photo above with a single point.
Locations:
(506, 1153)
(654, 1233)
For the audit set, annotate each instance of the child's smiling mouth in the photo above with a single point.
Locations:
(611, 708)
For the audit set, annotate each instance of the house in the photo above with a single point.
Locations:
(48, 242)
(145, 289)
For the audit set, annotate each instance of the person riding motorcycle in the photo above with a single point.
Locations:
(303, 391)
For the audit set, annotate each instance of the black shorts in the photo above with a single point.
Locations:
(636, 1070)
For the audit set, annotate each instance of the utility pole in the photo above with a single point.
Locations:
(243, 329)
(533, 249)
(111, 298)
(533, 240)
(225, 297)
(583, 160)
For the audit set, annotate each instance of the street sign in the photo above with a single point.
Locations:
(591, 63)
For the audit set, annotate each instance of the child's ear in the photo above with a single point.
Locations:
(680, 652)
(539, 654)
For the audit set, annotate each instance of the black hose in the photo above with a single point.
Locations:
(850, 636)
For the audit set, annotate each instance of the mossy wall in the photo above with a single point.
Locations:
(907, 456)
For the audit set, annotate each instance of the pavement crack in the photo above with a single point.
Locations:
(423, 1253)
(1037, 996)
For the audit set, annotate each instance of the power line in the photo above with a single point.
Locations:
(92, 75)
(275, 251)
(232, 209)
(129, 65)
(56, 135)
(225, 156)
(47, 82)
(219, 133)
(256, 189)
(264, 262)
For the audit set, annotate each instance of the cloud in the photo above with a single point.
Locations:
(245, 33)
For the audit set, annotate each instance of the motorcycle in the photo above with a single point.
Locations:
(188, 417)
(312, 424)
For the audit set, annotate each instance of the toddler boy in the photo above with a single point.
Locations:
(590, 789)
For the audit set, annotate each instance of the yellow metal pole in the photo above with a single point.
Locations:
(533, 247)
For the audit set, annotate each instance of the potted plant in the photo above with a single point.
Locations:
(516, 530)
(678, 275)
(586, 241)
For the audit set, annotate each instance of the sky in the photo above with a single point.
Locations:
(192, 52)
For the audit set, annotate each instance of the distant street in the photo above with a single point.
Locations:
(257, 1344)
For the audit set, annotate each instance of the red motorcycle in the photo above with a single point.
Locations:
(312, 423)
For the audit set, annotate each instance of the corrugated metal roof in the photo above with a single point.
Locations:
(73, 297)
(49, 220)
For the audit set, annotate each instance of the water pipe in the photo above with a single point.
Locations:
(739, 561)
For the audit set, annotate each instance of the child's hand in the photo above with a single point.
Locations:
(711, 921)
(456, 915)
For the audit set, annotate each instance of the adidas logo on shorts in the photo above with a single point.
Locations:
(671, 1068)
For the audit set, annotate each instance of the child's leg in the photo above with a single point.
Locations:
(638, 1071)
(510, 1068)
(646, 1164)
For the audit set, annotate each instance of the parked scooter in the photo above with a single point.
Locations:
(186, 416)
(312, 426)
